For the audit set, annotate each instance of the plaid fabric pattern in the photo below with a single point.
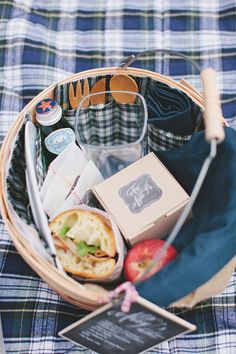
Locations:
(158, 139)
(62, 97)
(118, 123)
(16, 181)
(41, 169)
(114, 124)
(62, 92)
(43, 42)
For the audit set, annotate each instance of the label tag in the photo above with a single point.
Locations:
(58, 140)
(109, 330)
(140, 193)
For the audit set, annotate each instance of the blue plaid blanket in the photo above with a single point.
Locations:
(45, 41)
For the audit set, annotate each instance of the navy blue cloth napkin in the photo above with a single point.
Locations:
(170, 109)
(207, 242)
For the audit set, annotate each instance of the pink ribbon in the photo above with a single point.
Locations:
(130, 296)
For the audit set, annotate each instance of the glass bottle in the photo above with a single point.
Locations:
(56, 132)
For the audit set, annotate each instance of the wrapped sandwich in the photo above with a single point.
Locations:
(88, 244)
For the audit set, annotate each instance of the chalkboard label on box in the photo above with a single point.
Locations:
(140, 193)
(109, 330)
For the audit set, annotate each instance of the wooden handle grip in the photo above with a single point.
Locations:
(213, 112)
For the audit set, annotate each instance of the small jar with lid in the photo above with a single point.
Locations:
(56, 132)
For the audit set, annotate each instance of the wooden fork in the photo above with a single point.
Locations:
(78, 95)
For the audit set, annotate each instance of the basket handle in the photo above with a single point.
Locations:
(132, 58)
(213, 113)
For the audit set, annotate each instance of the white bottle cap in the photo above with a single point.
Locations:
(48, 112)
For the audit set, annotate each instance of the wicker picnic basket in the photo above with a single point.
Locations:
(86, 295)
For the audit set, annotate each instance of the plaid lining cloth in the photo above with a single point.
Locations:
(159, 139)
(16, 181)
(101, 124)
(16, 178)
(41, 169)
(43, 42)
(113, 124)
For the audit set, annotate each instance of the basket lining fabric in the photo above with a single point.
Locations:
(157, 139)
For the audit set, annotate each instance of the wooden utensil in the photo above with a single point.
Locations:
(123, 83)
(76, 97)
(99, 86)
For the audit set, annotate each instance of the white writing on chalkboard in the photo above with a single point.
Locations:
(140, 193)
(104, 330)
(111, 331)
(144, 323)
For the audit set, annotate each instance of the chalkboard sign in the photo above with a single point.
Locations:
(109, 330)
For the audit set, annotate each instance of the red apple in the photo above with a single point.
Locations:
(140, 256)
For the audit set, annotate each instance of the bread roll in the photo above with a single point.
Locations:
(85, 243)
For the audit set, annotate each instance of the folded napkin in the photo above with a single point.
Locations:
(207, 242)
(88, 178)
(170, 109)
(59, 181)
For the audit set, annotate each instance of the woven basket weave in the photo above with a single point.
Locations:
(86, 296)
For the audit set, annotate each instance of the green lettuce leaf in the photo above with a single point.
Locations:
(83, 249)
(64, 231)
